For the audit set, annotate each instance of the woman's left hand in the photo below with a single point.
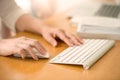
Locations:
(50, 34)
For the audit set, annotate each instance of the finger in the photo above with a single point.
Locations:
(22, 53)
(80, 39)
(29, 50)
(63, 37)
(37, 45)
(40, 49)
(75, 39)
(50, 39)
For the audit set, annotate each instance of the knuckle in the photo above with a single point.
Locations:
(27, 47)
(23, 37)
(59, 30)
(63, 37)
(35, 42)
(19, 50)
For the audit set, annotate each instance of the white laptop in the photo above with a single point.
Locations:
(96, 20)
(92, 8)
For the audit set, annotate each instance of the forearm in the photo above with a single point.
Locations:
(29, 23)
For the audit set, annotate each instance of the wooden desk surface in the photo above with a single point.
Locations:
(107, 68)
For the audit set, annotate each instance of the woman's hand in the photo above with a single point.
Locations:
(50, 34)
(20, 46)
(29, 23)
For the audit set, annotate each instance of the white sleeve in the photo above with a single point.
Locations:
(10, 12)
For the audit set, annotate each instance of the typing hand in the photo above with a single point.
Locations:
(50, 34)
(21, 46)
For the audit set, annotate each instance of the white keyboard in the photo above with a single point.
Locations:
(86, 54)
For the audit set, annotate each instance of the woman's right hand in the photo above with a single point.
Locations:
(21, 46)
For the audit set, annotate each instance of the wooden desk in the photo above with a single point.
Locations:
(107, 68)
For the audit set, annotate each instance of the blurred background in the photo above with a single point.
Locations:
(47, 8)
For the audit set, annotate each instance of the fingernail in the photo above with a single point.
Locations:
(44, 52)
(82, 41)
(36, 59)
(23, 56)
(54, 44)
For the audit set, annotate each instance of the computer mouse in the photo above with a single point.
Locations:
(36, 53)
